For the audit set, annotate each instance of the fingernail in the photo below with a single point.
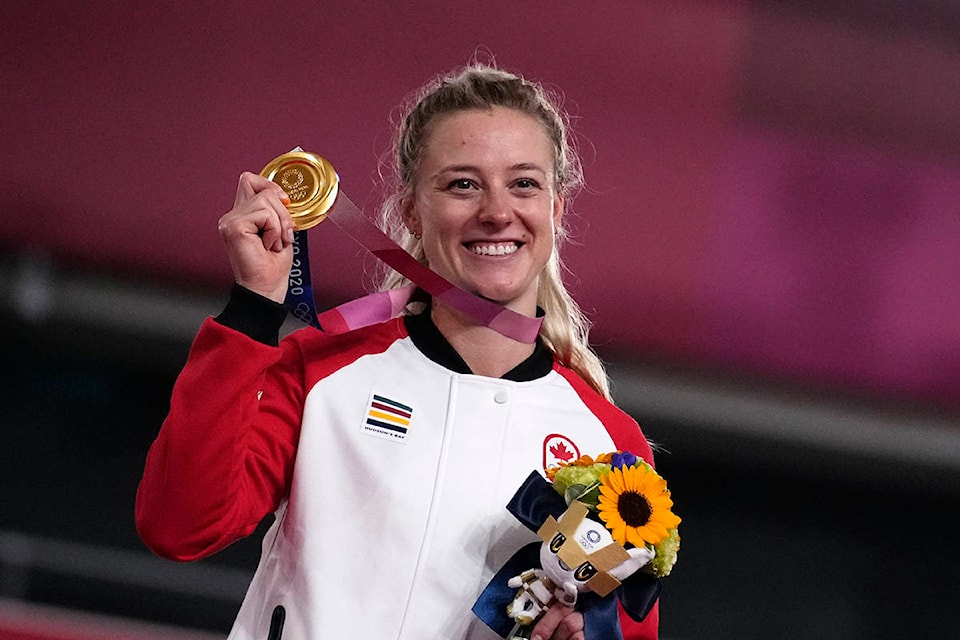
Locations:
(285, 200)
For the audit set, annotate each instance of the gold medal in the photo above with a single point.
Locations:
(309, 181)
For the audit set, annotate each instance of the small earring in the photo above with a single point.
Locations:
(416, 235)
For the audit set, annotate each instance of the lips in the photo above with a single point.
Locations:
(493, 248)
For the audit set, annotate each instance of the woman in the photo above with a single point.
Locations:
(391, 532)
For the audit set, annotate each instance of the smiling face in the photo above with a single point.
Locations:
(486, 203)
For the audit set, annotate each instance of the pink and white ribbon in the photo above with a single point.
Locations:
(380, 306)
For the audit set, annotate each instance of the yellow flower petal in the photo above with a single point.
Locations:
(614, 480)
(634, 537)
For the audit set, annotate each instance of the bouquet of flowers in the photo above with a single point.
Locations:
(608, 533)
(629, 497)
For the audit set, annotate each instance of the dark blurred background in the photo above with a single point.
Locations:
(767, 244)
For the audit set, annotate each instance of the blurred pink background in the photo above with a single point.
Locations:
(767, 194)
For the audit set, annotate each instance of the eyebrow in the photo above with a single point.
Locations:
(520, 166)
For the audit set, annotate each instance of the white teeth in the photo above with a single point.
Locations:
(494, 249)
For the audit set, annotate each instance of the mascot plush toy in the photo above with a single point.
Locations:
(580, 562)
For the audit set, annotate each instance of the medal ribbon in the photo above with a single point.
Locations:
(383, 305)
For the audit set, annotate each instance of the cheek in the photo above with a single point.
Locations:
(437, 244)
(439, 228)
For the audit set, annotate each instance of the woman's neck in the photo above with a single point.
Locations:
(485, 351)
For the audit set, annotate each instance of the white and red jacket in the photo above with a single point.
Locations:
(388, 466)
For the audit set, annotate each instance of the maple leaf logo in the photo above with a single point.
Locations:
(560, 452)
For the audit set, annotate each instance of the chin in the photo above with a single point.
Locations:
(515, 302)
(506, 293)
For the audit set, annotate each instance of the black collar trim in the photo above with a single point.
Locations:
(428, 339)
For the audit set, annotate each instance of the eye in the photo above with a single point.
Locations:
(527, 183)
(557, 542)
(584, 572)
(461, 184)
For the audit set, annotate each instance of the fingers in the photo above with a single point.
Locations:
(559, 623)
(257, 194)
(258, 235)
(277, 229)
(251, 184)
(260, 209)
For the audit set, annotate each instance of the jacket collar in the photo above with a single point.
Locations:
(428, 339)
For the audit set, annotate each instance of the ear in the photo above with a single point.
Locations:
(411, 219)
(557, 210)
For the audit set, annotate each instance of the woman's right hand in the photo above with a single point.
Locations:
(258, 234)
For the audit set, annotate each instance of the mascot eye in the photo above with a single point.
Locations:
(557, 542)
(584, 572)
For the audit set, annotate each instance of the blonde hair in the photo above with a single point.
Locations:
(479, 86)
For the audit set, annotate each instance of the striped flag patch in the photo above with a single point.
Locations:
(386, 418)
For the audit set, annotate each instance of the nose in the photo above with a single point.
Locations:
(496, 208)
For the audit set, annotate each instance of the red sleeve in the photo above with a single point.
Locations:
(224, 455)
(647, 629)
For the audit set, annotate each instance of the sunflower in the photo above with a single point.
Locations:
(635, 505)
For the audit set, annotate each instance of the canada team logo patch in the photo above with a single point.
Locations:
(386, 418)
(558, 449)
